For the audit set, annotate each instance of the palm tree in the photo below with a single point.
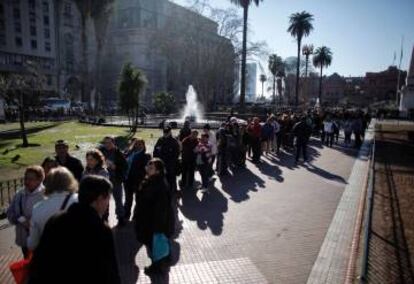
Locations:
(263, 79)
(322, 58)
(280, 75)
(245, 4)
(275, 63)
(300, 26)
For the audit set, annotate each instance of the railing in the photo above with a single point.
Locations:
(8, 189)
(368, 218)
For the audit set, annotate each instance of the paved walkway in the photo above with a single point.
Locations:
(266, 224)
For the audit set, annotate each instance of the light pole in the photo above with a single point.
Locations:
(307, 50)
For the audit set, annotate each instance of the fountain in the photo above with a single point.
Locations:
(192, 110)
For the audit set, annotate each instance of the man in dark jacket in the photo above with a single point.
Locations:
(168, 150)
(76, 246)
(189, 160)
(117, 167)
(185, 131)
(64, 159)
(302, 131)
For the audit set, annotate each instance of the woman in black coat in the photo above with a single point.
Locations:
(154, 212)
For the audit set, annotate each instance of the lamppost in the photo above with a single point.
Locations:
(307, 50)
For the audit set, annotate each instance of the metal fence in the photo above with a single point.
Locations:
(8, 189)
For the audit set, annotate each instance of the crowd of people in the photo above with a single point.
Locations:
(62, 212)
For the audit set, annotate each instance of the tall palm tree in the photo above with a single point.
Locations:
(300, 26)
(263, 79)
(279, 82)
(275, 63)
(322, 58)
(245, 4)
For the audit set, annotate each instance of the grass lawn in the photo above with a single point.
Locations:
(42, 135)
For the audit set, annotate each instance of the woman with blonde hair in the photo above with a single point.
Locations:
(61, 192)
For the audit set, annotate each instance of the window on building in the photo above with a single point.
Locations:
(47, 46)
(16, 13)
(18, 41)
(33, 44)
(32, 19)
(32, 4)
(49, 80)
(46, 20)
(45, 7)
(2, 39)
(47, 34)
(17, 27)
(67, 10)
(33, 31)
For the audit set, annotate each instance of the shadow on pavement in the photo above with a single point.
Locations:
(208, 211)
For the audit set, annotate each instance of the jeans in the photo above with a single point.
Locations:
(205, 174)
(118, 194)
(301, 147)
(221, 162)
(187, 177)
(329, 139)
(256, 149)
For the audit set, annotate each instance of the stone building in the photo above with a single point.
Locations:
(382, 86)
(27, 33)
(174, 46)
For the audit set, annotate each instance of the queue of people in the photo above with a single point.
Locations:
(63, 208)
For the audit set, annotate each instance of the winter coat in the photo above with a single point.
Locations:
(22, 205)
(153, 211)
(189, 145)
(96, 171)
(45, 209)
(136, 172)
(76, 247)
(73, 165)
(168, 150)
(302, 132)
(116, 157)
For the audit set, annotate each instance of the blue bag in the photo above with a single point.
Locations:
(160, 247)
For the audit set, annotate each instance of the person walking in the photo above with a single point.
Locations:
(154, 214)
(189, 160)
(80, 235)
(117, 168)
(137, 160)
(222, 150)
(329, 129)
(212, 139)
(347, 131)
(267, 134)
(185, 131)
(203, 161)
(61, 192)
(64, 159)
(20, 210)
(255, 131)
(168, 150)
(301, 132)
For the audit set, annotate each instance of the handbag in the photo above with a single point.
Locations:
(160, 247)
(20, 269)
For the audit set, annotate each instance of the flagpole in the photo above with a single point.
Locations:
(399, 74)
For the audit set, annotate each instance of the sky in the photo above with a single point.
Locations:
(362, 34)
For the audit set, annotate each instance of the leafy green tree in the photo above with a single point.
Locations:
(132, 83)
(322, 58)
(164, 102)
(300, 26)
(275, 65)
(18, 89)
(245, 4)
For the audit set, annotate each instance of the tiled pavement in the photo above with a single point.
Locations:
(266, 224)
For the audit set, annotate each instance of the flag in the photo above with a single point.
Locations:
(394, 58)
(402, 52)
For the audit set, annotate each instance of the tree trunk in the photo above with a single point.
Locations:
(244, 56)
(21, 118)
(320, 87)
(274, 89)
(262, 89)
(297, 74)
(85, 96)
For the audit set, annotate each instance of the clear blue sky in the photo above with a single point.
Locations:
(363, 34)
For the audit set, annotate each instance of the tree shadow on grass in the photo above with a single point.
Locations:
(16, 133)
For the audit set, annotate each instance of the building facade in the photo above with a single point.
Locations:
(27, 34)
(382, 86)
(251, 82)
